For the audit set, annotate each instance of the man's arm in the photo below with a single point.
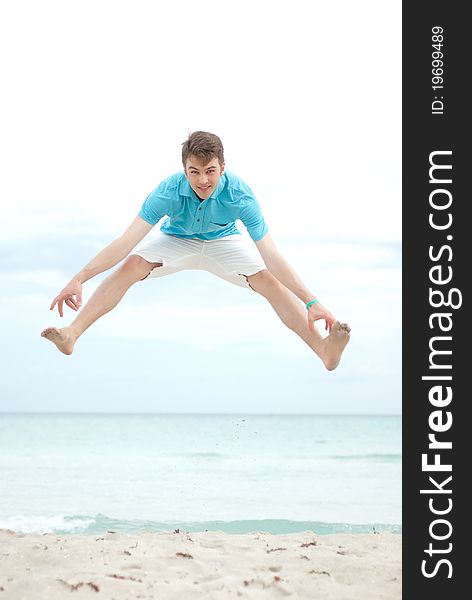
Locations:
(107, 258)
(280, 268)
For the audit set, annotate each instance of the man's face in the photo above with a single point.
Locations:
(203, 179)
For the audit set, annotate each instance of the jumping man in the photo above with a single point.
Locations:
(201, 204)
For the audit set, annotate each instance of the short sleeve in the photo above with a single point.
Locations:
(251, 216)
(156, 204)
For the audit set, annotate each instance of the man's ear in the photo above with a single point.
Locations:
(222, 169)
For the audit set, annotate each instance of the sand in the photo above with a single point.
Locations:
(210, 565)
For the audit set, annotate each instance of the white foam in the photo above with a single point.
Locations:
(43, 524)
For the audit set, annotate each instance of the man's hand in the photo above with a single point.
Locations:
(315, 313)
(71, 295)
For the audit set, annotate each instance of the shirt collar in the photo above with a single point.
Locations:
(186, 190)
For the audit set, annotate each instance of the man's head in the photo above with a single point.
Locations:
(203, 161)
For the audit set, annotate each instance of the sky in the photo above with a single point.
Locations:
(98, 97)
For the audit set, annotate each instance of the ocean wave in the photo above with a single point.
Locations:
(100, 524)
(378, 457)
(46, 524)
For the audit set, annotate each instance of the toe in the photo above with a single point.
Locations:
(336, 326)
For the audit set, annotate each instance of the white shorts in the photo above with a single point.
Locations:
(232, 257)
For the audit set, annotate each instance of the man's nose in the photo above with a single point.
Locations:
(203, 178)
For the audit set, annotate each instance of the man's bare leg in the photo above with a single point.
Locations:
(293, 314)
(105, 298)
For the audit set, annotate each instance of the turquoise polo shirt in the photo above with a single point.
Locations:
(210, 219)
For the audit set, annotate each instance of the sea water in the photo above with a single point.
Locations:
(89, 473)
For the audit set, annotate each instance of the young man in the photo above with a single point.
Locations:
(201, 204)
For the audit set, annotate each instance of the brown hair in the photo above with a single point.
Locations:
(204, 146)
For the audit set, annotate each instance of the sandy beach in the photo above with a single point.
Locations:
(210, 565)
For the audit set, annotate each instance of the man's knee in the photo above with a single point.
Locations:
(262, 281)
(137, 268)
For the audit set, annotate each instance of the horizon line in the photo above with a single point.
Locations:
(13, 412)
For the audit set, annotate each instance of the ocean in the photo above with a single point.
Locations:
(91, 473)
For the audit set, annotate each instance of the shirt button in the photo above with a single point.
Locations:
(198, 220)
(200, 208)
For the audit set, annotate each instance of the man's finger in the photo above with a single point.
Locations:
(53, 304)
(60, 307)
(79, 298)
(70, 304)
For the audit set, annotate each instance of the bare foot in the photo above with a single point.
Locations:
(63, 338)
(334, 344)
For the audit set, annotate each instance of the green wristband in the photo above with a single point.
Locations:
(308, 304)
